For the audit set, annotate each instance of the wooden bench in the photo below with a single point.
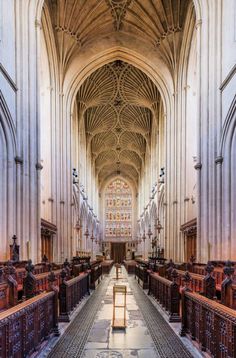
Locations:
(70, 294)
(4, 296)
(95, 274)
(25, 326)
(130, 266)
(210, 324)
(107, 266)
(166, 292)
(42, 283)
(141, 274)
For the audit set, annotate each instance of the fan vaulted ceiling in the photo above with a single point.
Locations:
(157, 22)
(118, 104)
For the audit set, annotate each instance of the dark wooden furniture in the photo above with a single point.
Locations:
(70, 294)
(130, 266)
(48, 231)
(107, 266)
(95, 274)
(4, 296)
(25, 326)
(189, 230)
(141, 274)
(166, 293)
(210, 324)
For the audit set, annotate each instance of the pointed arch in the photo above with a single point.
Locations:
(8, 153)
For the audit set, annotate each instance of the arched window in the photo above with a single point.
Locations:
(118, 210)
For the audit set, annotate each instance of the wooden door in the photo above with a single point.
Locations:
(189, 230)
(190, 247)
(118, 252)
(47, 247)
(48, 231)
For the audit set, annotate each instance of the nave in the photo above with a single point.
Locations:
(117, 145)
(148, 333)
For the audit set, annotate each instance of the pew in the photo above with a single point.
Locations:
(196, 282)
(70, 294)
(228, 287)
(166, 292)
(25, 326)
(4, 296)
(130, 266)
(206, 285)
(42, 283)
(77, 269)
(209, 323)
(95, 274)
(141, 274)
(107, 266)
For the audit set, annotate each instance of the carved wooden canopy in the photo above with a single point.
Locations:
(190, 227)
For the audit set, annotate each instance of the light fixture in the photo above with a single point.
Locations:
(86, 234)
(144, 236)
(92, 239)
(158, 226)
(78, 225)
(149, 232)
(144, 239)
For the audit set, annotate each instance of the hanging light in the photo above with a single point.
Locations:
(78, 225)
(86, 234)
(144, 236)
(158, 226)
(149, 232)
(92, 237)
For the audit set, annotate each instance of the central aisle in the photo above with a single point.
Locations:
(135, 341)
(147, 334)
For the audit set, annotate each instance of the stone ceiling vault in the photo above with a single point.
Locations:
(160, 23)
(118, 104)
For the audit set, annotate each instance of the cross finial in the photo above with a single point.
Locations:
(29, 267)
(228, 269)
(209, 268)
(187, 279)
(174, 275)
(63, 274)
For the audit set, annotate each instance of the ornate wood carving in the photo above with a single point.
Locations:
(22, 328)
(210, 323)
(228, 286)
(167, 294)
(209, 282)
(70, 294)
(15, 250)
(29, 282)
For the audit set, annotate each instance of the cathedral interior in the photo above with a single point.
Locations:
(118, 178)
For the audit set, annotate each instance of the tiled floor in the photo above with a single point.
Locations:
(90, 334)
(134, 341)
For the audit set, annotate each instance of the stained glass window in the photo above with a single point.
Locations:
(118, 210)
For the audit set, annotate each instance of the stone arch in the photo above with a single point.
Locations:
(153, 212)
(228, 175)
(8, 156)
